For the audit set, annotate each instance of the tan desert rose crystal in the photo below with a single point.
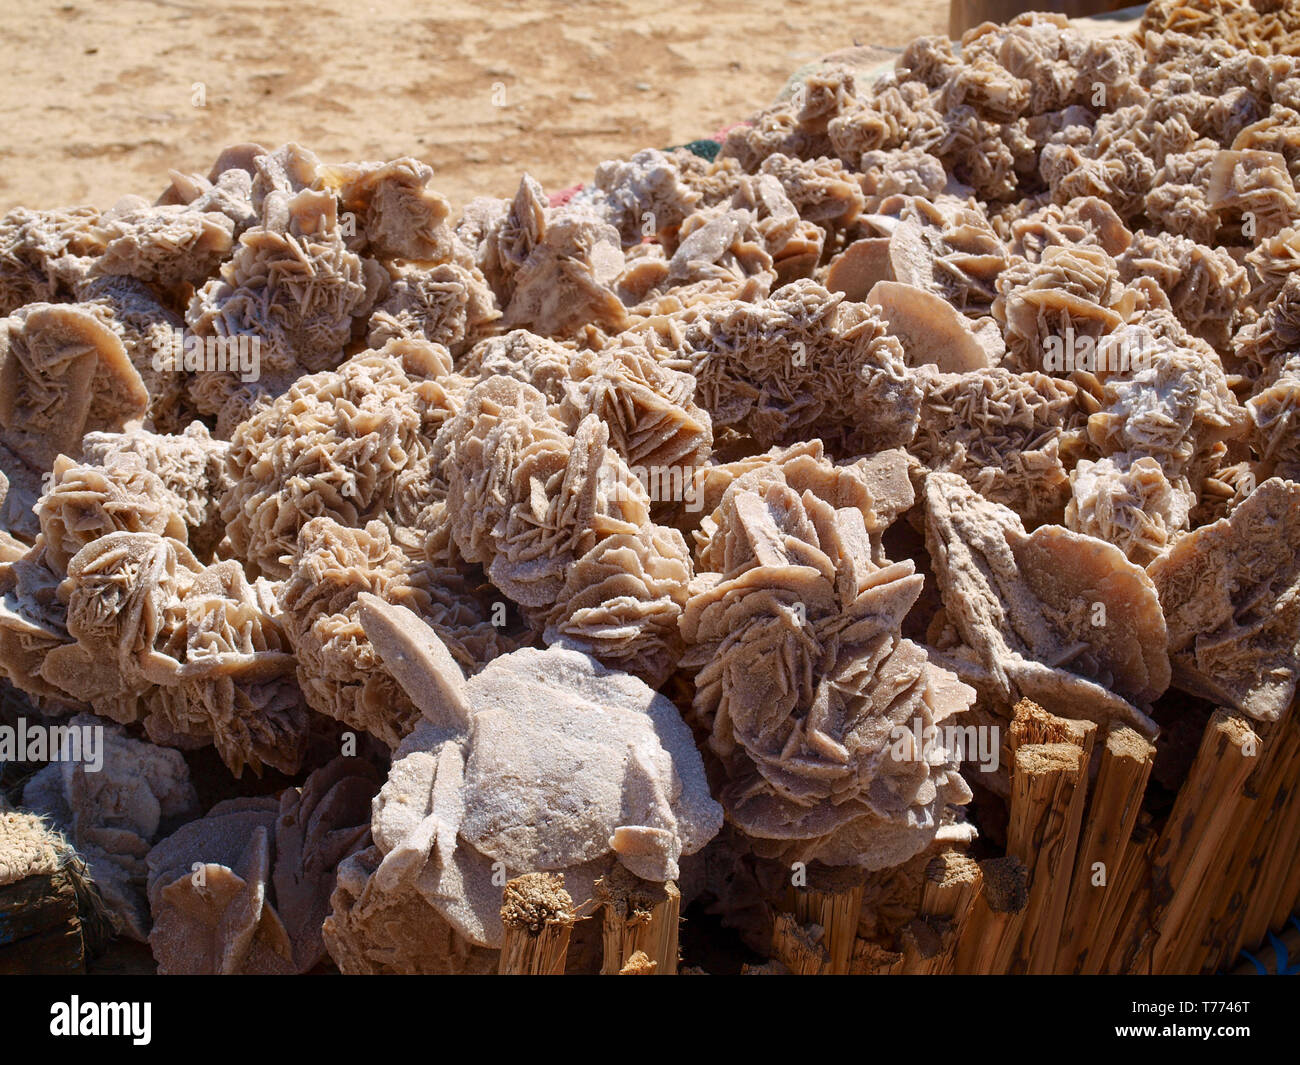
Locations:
(321, 825)
(113, 812)
(243, 889)
(803, 358)
(398, 216)
(649, 407)
(1228, 591)
(644, 195)
(950, 248)
(85, 502)
(1172, 403)
(233, 685)
(1071, 292)
(63, 373)
(152, 334)
(43, 253)
(543, 761)
(1274, 410)
(562, 526)
(338, 671)
(208, 888)
(805, 683)
(331, 446)
(448, 304)
(293, 286)
(120, 594)
(22, 488)
(1032, 227)
(553, 269)
(33, 621)
(1206, 286)
(1024, 605)
(1010, 435)
(524, 356)
(191, 465)
(1127, 502)
(394, 929)
(162, 245)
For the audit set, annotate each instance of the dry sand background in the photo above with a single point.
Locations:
(96, 97)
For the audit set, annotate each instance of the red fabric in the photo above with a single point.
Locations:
(559, 199)
(721, 135)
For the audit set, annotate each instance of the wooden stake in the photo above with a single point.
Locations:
(927, 944)
(1280, 880)
(1264, 879)
(639, 915)
(1030, 723)
(538, 916)
(871, 959)
(1187, 946)
(1123, 909)
(832, 900)
(1197, 828)
(799, 946)
(1216, 937)
(1286, 867)
(993, 929)
(1126, 760)
(1202, 859)
(1048, 785)
(952, 881)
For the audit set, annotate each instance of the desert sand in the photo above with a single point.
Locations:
(101, 99)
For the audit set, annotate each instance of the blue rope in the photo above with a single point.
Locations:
(1284, 968)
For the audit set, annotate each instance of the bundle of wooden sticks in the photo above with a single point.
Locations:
(1089, 883)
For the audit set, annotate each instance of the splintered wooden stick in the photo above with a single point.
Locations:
(1048, 785)
(832, 900)
(799, 946)
(993, 929)
(816, 932)
(1258, 892)
(1030, 723)
(871, 959)
(1281, 878)
(952, 880)
(1196, 829)
(1289, 897)
(1277, 850)
(1201, 872)
(538, 916)
(1195, 942)
(638, 915)
(948, 892)
(1122, 909)
(1031, 727)
(927, 944)
(1126, 760)
(1216, 939)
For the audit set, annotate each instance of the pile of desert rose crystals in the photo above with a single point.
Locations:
(629, 534)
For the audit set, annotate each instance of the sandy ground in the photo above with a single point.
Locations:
(101, 99)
